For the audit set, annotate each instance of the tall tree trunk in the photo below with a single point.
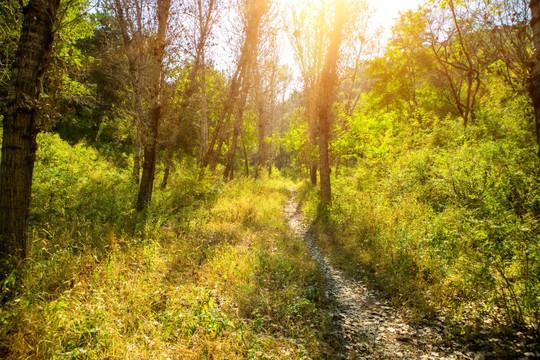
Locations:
(326, 96)
(203, 130)
(238, 121)
(270, 160)
(311, 109)
(262, 132)
(246, 160)
(21, 125)
(151, 128)
(534, 87)
(137, 156)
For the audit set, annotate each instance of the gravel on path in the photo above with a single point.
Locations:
(367, 326)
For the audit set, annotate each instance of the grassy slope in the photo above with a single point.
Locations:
(446, 218)
(214, 274)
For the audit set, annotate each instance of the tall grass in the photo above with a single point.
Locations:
(214, 273)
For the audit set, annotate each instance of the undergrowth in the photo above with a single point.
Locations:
(214, 273)
(445, 221)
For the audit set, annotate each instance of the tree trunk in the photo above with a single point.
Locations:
(238, 121)
(203, 130)
(311, 110)
(168, 162)
(151, 126)
(534, 88)
(137, 157)
(246, 160)
(262, 133)
(326, 96)
(21, 125)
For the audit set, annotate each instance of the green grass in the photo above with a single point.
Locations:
(214, 273)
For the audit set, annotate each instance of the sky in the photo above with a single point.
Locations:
(387, 12)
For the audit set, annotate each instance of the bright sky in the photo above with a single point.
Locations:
(387, 11)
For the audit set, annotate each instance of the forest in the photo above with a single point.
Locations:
(269, 179)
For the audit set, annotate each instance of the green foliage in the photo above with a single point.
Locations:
(75, 189)
(445, 217)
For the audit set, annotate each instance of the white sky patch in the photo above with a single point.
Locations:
(387, 13)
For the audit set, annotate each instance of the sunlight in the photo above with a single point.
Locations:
(385, 11)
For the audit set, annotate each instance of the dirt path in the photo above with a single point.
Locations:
(368, 328)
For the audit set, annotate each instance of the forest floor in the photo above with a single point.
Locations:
(367, 327)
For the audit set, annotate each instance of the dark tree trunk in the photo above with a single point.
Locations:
(313, 166)
(326, 96)
(147, 180)
(262, 153)
(534, 87)
(21, 125)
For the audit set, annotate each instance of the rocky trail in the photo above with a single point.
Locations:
(367, 326)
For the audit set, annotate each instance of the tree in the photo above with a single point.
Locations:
(151, 125)
(453, 36)
(21, 124)
(129, 15)
(144, 26)
(254, 12)
(535, 79)
(325, 99)
(200, 20)
(308, 35)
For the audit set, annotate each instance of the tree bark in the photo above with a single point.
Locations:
(238, 122)
(326, 96)
(262, 133)
(311, 109)
(203, 130)
(246, 160)
(534, 87)
(151, 126)
(21, 125)
(137, 155)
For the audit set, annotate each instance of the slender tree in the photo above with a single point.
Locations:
(255, 10)
(455, 44)
(21, 124)
(309, 39)
(151, 125)
(327, 85)
(129, 15)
